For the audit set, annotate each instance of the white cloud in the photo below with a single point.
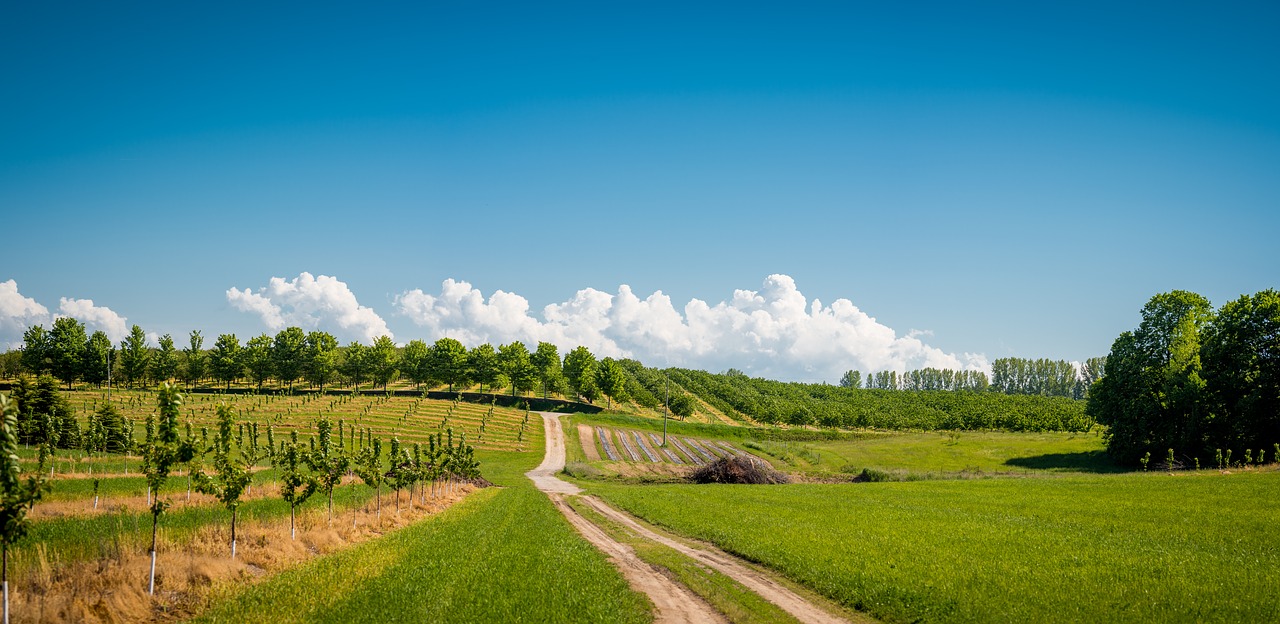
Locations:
(94, 317)
(775, 332)
(17, 313)
(311, 303)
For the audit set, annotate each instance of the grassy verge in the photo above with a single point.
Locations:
(502, 555)
(737, 603)
(1137, 547)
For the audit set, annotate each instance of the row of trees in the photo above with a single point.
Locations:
(918, 380)
(1008, 376)
(1192, 379)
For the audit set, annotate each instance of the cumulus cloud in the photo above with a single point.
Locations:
(95, 318)
(311, 302)
(774, 332)
(17, 313)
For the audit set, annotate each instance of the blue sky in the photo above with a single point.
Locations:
(1006, 179)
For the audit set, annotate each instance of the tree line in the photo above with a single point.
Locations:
(1008, 376)
(1191, 382)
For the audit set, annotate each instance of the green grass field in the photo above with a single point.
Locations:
(1137, 547)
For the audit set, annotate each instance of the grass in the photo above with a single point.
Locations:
(502, 555)
(1135, 547)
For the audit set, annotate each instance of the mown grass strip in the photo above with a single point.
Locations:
(1139, 547)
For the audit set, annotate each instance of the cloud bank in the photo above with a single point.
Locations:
(95, 318)
(775, 332)
(17, 313)
(309, 302)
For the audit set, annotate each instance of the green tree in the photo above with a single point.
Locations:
(231, 474)
(355, 363)
(227, 359)
(296, 486)
(449, 362)
(17, 496)
(1241, 359)
(163, 450)
(482, 362)
(384, 361)
(612, 381)
(66, 349)
(164, 365)
(195, 360)
(288, 355)
(580, 368)
(135, 357)
(328, 462)
(258, 360)
(368, 467)
(513, 360)
(546, 362)
(1151, 398)
(415, 362)
(97, 357)
(851, 379)
(322, 358)
(37, 350)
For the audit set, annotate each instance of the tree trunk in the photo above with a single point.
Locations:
(292, 533)
(151, 585)
(330, 506)
(233, 534)
(4, 548)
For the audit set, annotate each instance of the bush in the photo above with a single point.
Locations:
(738, 470)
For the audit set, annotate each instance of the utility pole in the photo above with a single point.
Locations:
(665, 403)
(108, 374)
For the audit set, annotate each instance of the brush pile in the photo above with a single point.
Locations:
(738, 470)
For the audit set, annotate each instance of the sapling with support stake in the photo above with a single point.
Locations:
(17, 496)
(163, 451)
(295, 486)
(329, 463)
(231, 475)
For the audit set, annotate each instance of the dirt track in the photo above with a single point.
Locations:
(673, 602)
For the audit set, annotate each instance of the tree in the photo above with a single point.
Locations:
(226, 359)
(415, 362)
(851, 379)
(97, 357)
(17, 496)
(449, 362)
(36, 350)
(513, 360)
(162, 451)
(1151, 398)
(482, 362)
(295, 485)
(546, 361)
(369, 468)
(231, 475)
(195, 360)
(580, 370)
(612, 381)
(134, 357)
(164, 366)
(66, 349)
(383, 361)
(1091, 371)
(327, 462)
(355, 363)
(258, 360)
(1241, 359)
(322, 358)
(288, 354)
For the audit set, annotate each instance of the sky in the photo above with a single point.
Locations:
(790, 189)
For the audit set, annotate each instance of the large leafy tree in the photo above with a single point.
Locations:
(851, 379)
(164, 365)
(415, 362)
(384, 361)
(1152, 397)
(514, 361)
(321, 359)
(195, 360)
(135, 357)
(482, 362)
(580, 370)
(612, 381)
(36, 348)
(97, 358)
(288, 354)
(449, 362)
(227, 359)
(17, 496)
(66, 349)
(258, 360)
(546, 361)
(355, 363)
(1241, 359)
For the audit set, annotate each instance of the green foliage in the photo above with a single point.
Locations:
(164, 363)
(1043, 377)
(163, 449)
(580, 372)
(321, 358)
(231, 474)
(227, 359)
(288, 354)
(514, 362)
(195, 360)
(17, 496)
(611, 380)
(448, 362)
(355, 363)
(296, 486)
(135, 357)
(258, 360)
(97, 358)
(67, 343)
(851, 379)
(37, 350)
(383, 361)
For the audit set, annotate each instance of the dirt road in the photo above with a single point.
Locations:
(672, 602)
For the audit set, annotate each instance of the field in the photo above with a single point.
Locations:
(1136, 547)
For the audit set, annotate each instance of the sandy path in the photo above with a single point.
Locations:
(587, 436)
(672, 602)
(728, 565)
